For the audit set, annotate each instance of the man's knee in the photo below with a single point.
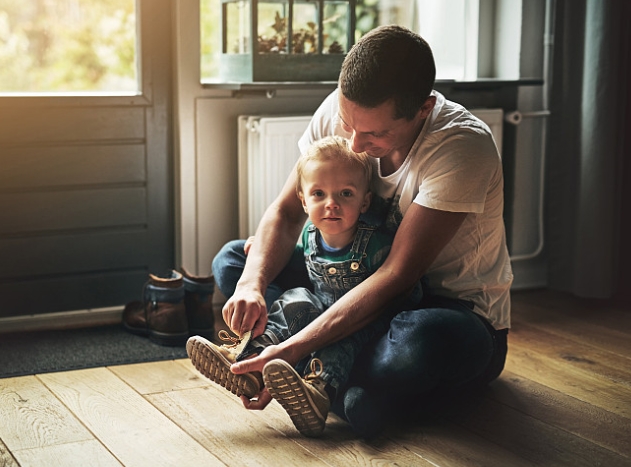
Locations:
(228, 265)
(412, 354)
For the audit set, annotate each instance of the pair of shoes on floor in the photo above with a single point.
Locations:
(172, 308)
(304, 399)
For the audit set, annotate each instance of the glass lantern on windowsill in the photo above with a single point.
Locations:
(285, 40)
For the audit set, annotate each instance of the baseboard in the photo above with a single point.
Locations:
(62, 320)
(530, 274)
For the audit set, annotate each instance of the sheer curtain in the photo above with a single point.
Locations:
(588, 154)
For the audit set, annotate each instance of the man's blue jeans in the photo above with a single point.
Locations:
(441, 345)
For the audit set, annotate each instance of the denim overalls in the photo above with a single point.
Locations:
(332, 279)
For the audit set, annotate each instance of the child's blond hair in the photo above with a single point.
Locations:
(334, 148)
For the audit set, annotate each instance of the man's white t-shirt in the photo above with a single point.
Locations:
(453, 166)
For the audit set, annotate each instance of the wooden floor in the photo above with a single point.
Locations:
(564, 399)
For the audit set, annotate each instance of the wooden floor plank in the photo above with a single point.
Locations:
(79, 454)
(574, 353)
(592, 311)
(552, 407)
(129, 426)
(6, 458)
(602, 328)
(557, 374)
(445, 444)
(532, 439)
(154, 377)
(32, 417)
(227, 430)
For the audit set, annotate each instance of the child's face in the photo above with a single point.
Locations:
(334, 194)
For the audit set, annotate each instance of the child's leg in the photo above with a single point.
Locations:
(290, 313)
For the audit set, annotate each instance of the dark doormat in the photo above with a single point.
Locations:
(72, 349)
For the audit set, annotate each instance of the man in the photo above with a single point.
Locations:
(440, 187)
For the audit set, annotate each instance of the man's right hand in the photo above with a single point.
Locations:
(245, 311)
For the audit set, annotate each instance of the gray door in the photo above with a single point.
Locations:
(86, 195)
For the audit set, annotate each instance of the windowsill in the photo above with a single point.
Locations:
(265, 85)
(490, 83)
(271, 87)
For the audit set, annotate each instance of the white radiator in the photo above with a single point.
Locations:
(268, 150)
(494, 118)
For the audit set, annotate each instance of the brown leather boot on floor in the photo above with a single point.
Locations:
(198, 297)
(161, 314)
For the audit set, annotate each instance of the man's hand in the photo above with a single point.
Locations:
(245, 311)
(256, 364)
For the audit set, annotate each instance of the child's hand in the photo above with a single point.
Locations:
(248, 244)
(255, 364)
(258, 402)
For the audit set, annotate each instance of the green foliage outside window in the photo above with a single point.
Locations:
(68, 46)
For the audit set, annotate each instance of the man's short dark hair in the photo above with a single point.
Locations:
(389, 62)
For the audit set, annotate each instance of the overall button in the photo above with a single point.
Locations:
(354, 266)
(332, 270)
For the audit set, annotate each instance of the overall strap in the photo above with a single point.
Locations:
(362, 238)
(313, 241)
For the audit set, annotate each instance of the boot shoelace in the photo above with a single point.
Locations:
(316, 368)
(233, 341)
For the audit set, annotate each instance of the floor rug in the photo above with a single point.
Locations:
(62, 350)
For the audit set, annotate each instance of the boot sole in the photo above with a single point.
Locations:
(160, 338)
(206, 333)
(209, 361)
(137, 331)
(167, 339)
(287, 387)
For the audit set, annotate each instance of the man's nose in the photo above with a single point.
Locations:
(358, 143)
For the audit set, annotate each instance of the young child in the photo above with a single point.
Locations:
(340, 251)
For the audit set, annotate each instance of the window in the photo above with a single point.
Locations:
(471, 39)
(68, 46)
(451, 29)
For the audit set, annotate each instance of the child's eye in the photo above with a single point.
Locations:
(318, 194)
(347, 193)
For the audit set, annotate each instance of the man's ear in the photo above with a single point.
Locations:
(427, 107)
(366, 203)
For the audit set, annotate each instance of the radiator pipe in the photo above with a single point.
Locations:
(516, 117)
